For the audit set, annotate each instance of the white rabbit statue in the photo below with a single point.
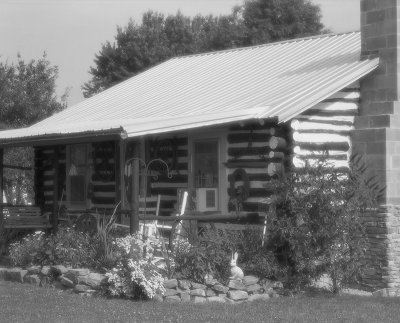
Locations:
(236, 272)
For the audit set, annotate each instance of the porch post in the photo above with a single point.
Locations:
(2, 237)
(54, 218)
(134, 219)
(1, 186)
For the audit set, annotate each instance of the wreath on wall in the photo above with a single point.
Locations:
(238, 194)
(103, 169)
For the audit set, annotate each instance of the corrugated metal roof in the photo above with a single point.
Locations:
(273, 80)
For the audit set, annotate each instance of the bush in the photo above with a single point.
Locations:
(317, 228)
(212, 255)
(135, 274)
(67, 247)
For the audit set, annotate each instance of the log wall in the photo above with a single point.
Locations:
(326, 128)
(259, 150)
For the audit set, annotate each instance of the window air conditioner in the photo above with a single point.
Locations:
(206, 199)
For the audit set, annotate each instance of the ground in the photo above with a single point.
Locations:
(26, 303)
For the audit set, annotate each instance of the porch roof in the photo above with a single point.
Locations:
(278, 80)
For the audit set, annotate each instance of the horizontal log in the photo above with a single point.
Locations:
(327, 122)
(323, 146)
(330, 113)
(324, 131)
(277, 143)
(343, 100)
(328, 157)
(248, 137)
(266, 124)
(104, 188)
(246, 164)
(248, 151)
(276, 155)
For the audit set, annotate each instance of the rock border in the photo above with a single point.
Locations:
(85, 282)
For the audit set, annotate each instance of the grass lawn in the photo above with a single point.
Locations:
(25, 303)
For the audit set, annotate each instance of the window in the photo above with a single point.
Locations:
(206, 163)
(77, 169)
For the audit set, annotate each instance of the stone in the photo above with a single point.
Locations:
(66, 281)
(45, 271)
(172, 299)
(81, 288)
(78, 271)
(220, 288)
(198, 292)
(158, 298)
(33, 270)
(250, 280)
(236, 284)
(185, 297)
(15, 275)
(171, 283)
(256, 297)
(237, 295)
(32, 279)
(184, 284)
(211, 282)
(216, 299)
(170, 292)
(210, 293)
(198, 299)
(270, 284)
(198, 286)
(253, 288)
(93, 280)
(58, 270)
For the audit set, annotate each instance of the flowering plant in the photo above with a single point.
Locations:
(135, 275)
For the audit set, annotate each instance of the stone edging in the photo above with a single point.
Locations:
(81, 281)
(86, 283)
(249, 289)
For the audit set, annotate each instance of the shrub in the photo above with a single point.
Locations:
(135, 275)
(317, 227)
(212, 255)
(67, 247)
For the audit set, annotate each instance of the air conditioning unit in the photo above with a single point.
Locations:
(206, 199)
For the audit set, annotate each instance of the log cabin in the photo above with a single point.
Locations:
(223, 124)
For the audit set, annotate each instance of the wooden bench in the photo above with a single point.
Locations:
(25, 217)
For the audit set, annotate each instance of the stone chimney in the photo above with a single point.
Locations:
(377, 136)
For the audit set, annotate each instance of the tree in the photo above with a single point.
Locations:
(273, 20)
(27, 95)
(158, 38)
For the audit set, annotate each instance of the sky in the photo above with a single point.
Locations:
(71, 31)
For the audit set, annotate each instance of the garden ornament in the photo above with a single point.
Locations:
(236, 272)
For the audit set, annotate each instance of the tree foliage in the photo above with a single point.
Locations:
(27, 95)
(158, 37)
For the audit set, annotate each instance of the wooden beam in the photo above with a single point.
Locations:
(54, 218)
(2, 236)
(196, 216)
(134, 219)
(122, 158)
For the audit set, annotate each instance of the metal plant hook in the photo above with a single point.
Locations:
(146, 167)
